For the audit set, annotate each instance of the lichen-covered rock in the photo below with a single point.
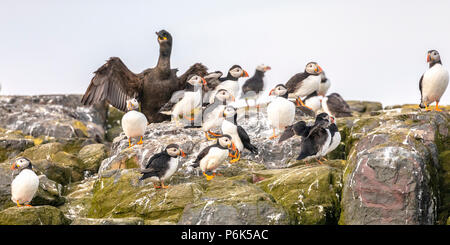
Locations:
(364, 107)
(117, 221)
(310, 194)
(91, 156)
(78, 198)
(5, 186)
(233, 201)
(49, 193)
(391, 176)
(14, 142)
(123, 195)
(113, 123)
(58, 116)
(39, 215)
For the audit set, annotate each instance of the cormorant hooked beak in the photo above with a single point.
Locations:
(160, 37)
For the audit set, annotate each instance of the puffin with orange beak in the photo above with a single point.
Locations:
(25, 184)
(433, 82)
(230, 82)
(192, 100)
(213, 113)
(134, 122)
(210, 158)
(163, 165)
(281, 111)
(303, 84)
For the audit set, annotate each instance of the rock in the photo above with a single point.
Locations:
(57, 116)
(91, 156)
(14, 142)
(49, 193)
(310, 194)
(391, 177)
(40, 215)
(78, 198)
(113, 124)
(5, 186)
(233, 201)
(123, 195)
(364, 107)
(54, 171)
(118, 221)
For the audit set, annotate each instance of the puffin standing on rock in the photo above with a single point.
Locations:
(213, 113)
(281, 111)
(433, 82)
(134, 122)
(115, 83)
(210, 158)
(254, 85)
(230, 82)
(191, 101)
(25, 184)
(316, 139)
(238, 135)
(305, 83)
(163, 165)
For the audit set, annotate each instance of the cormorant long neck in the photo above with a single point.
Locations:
(164, 57)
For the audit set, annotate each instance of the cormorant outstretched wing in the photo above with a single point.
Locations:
(114, 83)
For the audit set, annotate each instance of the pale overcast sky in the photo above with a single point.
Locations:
(370, 50)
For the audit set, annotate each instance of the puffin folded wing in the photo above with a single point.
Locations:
(295, 82)
(337, 105)
(114, 83)
(245, 139)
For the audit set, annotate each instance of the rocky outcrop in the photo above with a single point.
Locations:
(41, 215)
(392, 167)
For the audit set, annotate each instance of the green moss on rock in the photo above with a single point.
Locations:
(40, 215)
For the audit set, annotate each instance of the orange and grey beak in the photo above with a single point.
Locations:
(233, 147)
(13, 167)
(428, 58)
(233, 98)
(204, 81)
(319, 69)
(267, 68)
(244, 73)
(332, 119)
(271, 91)
(182, 153)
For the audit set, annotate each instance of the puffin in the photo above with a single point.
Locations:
(213, 113)
(335, 136)
(211, 157)
(25, 185)
(313, 102)
(163, 165)
(336, 106)
(238, 135)
(212, 80)
(254, 85)
(115, 83)
(324, 84)
(316, 139)
(280, 111)
(134, 122)
(191, 101)
(230, 82)
(305, 83)
(433, 82)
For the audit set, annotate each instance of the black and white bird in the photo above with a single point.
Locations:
(253, 86)
(230, 82)
(433, 82)
(163, 165)
(191, 101)
(335, 136)
(25, 184)
(134, 122)
(305, 83)
(211, 157)
(280, 111)
(238, 135)
(316, 139)
(324, 84)
(213, 113)
(336, 106)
